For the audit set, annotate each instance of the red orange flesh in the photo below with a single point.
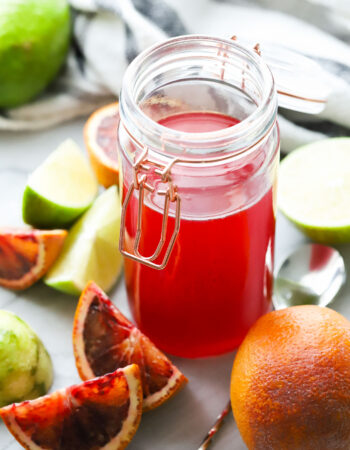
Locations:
(100, 135)
(100, 414)
(104, 340)
(26, 255)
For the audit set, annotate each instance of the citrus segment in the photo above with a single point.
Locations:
(100, 414)
(91, 249)
(100, 135)
(26, 255)
(314, 189)
(60, 189)
(103, 340)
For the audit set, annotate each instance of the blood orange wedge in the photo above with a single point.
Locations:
(103, 413)
(26, 255)
(104, 340)
(100, 135)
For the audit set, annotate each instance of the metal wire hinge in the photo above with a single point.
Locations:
(171, 195)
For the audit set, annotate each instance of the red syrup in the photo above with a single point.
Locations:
(218, 280)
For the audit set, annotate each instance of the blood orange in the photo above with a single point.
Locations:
(105, 340)
(100, 135)
(290, 385)
(103, 413)
(26, 255)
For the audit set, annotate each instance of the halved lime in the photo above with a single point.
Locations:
(314, 190)
(59, 190)
(90, 252)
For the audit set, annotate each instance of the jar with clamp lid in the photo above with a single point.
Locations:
(199, 151)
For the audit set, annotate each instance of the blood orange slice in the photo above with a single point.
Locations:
(103, 413)
(100, 135)
(104, 340)
(26, 255)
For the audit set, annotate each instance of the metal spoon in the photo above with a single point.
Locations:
(313, 274)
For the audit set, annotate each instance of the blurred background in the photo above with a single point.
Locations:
(107, 34)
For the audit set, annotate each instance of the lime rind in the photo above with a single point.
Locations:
(60, 190)
(314, 190)
(322, 234)
(26, 370)
(55, 216)
(65, 286)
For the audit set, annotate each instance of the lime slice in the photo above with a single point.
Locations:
(90, 251)
(59, 190)
(314, 190)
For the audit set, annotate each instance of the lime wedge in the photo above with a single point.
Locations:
(314, 190)
(60, 189)
(90, 251)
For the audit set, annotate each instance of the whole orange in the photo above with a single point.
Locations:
(290, 385)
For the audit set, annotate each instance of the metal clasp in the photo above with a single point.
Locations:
(171, 195)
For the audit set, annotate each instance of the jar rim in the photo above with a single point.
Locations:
(257, 124)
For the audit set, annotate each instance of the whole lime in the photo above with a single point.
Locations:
(25, 366)
(34, 39)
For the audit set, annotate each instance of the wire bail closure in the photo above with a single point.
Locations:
(171, 195)
(300, 86)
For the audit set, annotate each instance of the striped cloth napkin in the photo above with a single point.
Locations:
(108, 34)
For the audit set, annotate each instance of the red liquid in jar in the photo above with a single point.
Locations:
(218, 280)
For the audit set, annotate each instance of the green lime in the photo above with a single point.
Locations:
(59, 190)
(34, 39)
(25, 366)
(314, 190)
(90, 252)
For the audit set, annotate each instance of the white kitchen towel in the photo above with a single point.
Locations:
(108, 34)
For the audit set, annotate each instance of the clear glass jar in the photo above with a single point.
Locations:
(198, 151)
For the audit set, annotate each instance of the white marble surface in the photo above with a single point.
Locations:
(181, 423)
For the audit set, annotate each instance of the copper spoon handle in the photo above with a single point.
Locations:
(215, 428)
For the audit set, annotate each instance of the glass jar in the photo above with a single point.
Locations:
(198, 151)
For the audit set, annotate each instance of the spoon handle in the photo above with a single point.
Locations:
(215, 428)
